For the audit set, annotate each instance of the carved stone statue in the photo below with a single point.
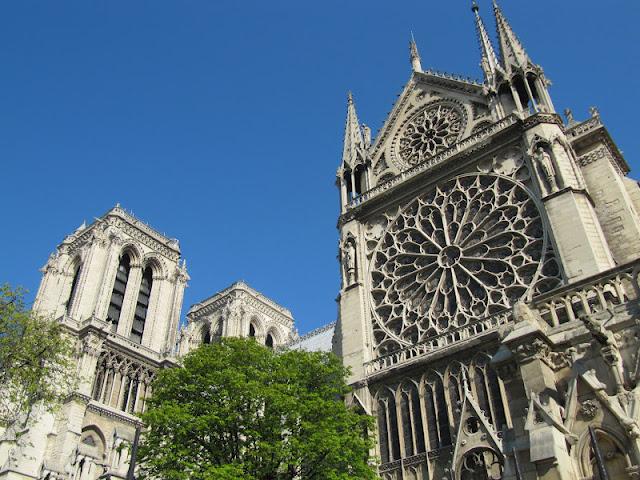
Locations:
(545, 164)
(349, 263)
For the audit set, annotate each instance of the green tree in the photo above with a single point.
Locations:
(238, 410)
(36, 368)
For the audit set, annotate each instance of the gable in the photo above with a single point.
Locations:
(433, 113)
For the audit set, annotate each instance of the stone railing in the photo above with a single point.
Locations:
(584, 127)
(472, 141)
(566, 304)
(591, 295)
(437, 343)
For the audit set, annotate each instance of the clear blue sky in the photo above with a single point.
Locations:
(220, 122)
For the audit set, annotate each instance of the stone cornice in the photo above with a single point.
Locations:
(592, 131)
(115, 342)
(126, 222)
(106, 411)
(249, 296)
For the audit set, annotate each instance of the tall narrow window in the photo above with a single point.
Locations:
(383, 432)
(72, 292)
(252, 330)
(142, 306)
(206, 336)
(117, 295)
(269, 341)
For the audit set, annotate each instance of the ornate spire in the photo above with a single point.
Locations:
(490, 64)
(416, 66)
(353, 141)
(512, 52)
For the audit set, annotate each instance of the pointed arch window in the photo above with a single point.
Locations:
(206, 336)
(119, 288)
(269, 341)
(252, 330)
(74, 287)
(142, 306)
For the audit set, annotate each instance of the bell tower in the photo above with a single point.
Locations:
(117, 285)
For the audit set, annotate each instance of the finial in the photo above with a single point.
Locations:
(474, 6)
(414, 56)
(569, 114)
(594, 111)
(349, 97)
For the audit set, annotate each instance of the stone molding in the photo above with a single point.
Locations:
(248, 296)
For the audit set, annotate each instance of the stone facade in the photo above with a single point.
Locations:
(489, 302)
(488, 310)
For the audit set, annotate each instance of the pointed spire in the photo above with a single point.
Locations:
(416, 65)
(490, 64)
(512, 52)
(353, 141)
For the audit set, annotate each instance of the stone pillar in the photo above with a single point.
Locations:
(108, 277)
(91, 347)
(581, 245)
(530, 347)
(156, 315)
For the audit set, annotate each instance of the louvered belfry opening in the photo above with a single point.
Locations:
(119, 289)
(142, 306)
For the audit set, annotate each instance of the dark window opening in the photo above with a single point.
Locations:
(206, 337)
(72, 292)
(252, 330)
(142, 306)
(269, 341)
(119, 288)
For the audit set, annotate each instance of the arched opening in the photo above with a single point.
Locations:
(252, 331)
(481, 465)
(506, 98)
(346, 178)
(142, 306)
(615, 461)
(119, 289)
(360, 180)
(269, 341)
(206, 336)
(73, 291)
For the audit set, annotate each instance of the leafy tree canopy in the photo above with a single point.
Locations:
(238, 410)
(36, 368)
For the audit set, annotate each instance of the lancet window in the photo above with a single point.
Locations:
(269, 341)
(142, 306)
(121, 382)
(74, 287)
(420, 414)
(119, 289)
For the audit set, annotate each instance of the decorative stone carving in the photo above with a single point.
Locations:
(589, 409)
(469, 249)
(509, 162)
(434, 128)
(546, 168)
(349, 262)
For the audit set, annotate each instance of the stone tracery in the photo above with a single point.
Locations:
(464, 251)
(432, 130)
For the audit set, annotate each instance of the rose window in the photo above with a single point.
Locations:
(432, 130)
(467, 250)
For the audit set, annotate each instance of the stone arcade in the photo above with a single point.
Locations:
(489, 303)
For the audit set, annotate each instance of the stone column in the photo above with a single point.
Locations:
(108, 277)
(530, 347)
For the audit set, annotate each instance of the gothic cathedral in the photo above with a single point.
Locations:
(489, 254)
(488, 311)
